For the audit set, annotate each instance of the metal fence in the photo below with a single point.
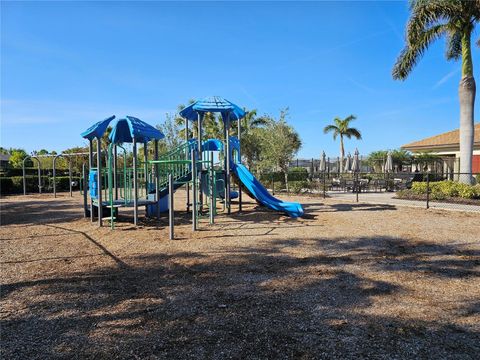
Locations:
(444, 164)
(420, 189)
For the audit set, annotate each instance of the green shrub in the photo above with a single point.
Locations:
(466, 191)
(6, 185)
(419, 188)
(276, 176)
(437, 193)
(297, 186)
(297, 174)
(14, 184)
(443, 189)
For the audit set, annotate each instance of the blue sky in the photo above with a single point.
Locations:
(66, 65)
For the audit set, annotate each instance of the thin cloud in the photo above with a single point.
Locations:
(392, 27)
(249, 95)
(360, 85)
(306, 59)
(418, 106)
(445, 78)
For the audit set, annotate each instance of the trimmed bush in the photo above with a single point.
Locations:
(297, 186)
(14, 184)
(419, 188)
(6, 185)
(447, 189)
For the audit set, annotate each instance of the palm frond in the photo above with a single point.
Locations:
(350, 118)
(353, 132)
(413, 51)
(331, 128)
(428, 13)
(261, 121)
(454, 45)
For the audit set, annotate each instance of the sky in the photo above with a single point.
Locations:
(67, 65)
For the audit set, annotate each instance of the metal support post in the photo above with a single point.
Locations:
(171, 207)
(69, 176)
(212, 190)
(84, 185)
(157, 181)
(135, 183)
(239, 127)
(90, 165)
(194, 191)
(99, 180)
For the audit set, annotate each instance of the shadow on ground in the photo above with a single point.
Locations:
(252, 302)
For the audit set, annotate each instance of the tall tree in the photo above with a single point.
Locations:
(16, 158)
(456, 19)
(341, 127)
(173, 134)
(280, 143)
(250, 136)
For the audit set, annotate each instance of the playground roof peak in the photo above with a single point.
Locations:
(226, 108)
(98, 129)
(131, 127)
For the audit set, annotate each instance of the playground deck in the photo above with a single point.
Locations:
(122, 203)
(346, 281)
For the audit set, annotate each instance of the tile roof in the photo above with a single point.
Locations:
(446, 140)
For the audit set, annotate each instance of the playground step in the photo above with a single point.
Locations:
(109, 218)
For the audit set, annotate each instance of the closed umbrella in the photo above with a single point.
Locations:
(389, 163)
(356, 162)
(348, 163)
(323, 163)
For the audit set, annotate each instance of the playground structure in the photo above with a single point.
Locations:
(206, 166)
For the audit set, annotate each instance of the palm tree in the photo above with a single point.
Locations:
(250, 136)
(341, 128)
(456, 19)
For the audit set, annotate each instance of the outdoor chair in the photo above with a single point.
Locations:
(349, 185)
(363, 184)
(380, 184)
(336, 184)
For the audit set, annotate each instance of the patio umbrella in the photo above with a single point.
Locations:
(356, 162)
(348, 163)
(389, 163)
(323, 163)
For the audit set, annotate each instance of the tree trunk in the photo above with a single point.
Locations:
(342, 153)
(286, 180)
(466, 94)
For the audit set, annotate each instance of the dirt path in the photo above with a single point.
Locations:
(348, 281)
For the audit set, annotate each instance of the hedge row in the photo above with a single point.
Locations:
(14, 184)
(33, 171)
(278, 176)
(445, 189)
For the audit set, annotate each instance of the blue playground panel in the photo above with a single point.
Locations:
(93, 183)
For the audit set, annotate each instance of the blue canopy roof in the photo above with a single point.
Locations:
(213, 104)
(126, 129)
(212, 145)
(98, 129)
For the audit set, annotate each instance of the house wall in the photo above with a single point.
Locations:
(476, 164)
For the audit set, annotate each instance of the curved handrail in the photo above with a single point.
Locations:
(65, 156)
(39, 174)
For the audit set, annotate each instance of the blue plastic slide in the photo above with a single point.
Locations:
(262, 194)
